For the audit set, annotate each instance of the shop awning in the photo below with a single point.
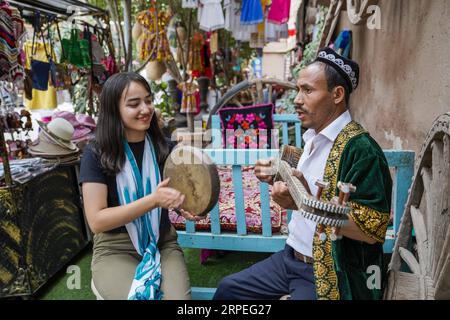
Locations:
(61, 8)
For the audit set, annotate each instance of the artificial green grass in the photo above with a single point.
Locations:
(210, 273)
(207, 275)
(57, 288)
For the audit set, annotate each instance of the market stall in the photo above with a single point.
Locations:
(42, 225)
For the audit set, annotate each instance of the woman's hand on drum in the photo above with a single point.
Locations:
(189, 216)
(263, 170)
(166, 197)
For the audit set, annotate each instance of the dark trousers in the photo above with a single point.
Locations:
(272, 278)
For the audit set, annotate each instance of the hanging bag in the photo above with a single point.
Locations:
(28, 84)
(76, 49)
(65, 80)
(39, 69)
(58, 71)
(85, 47)
(98, 53)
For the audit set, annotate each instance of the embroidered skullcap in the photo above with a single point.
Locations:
(347, 68)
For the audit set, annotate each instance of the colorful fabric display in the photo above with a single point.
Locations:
(11, 31)
(279, 11)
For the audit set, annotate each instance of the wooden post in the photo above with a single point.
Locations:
(127, 34)
(330, 22)
(4, 155)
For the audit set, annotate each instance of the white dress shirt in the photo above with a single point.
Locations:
(312, 165)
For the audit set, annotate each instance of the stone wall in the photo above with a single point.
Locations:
(405, 71)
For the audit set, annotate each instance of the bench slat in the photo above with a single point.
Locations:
(247, 157)
(239, 200)
(285, 134)
(298, 135)
(231, 241)
(215, 219)
(265, 209)
(190, 226)
(199, 293)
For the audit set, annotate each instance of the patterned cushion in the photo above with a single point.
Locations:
(252, 205)
(238, 123)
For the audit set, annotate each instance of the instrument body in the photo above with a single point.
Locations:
(332, 213)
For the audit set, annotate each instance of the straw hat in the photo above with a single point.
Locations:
(45, 147)
(60, 131)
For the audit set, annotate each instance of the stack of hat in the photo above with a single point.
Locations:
(83, 124)
(54, 142)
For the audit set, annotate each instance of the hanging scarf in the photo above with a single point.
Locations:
(143, 231)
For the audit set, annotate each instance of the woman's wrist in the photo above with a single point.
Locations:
(151, 202)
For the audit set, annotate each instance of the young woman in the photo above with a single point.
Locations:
(135, 252)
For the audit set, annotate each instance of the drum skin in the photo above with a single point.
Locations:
(193, 173)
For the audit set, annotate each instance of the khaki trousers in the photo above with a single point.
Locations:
(114, 263)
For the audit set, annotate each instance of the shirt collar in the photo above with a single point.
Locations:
(332, 130)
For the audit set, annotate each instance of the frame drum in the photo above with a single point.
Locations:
(193, 173)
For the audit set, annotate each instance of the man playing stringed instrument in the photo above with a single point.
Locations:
(314, 265)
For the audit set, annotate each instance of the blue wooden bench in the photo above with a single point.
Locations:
(401, 161)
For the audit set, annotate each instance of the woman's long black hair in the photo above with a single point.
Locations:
(110, 130)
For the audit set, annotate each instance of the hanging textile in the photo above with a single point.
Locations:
(292, 22)
(153, 35)
(343, 43)
(233, 24)
(40, 99)
(189, 4)
(257, 39)
(252, 12)
(195, 56)
(210, 15)
(274, 32)
(11, 32)
(279, 11)
(189, 101)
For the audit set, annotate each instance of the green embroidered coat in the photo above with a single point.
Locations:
(342, 268)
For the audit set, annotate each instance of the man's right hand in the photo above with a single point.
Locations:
(263, 171)
(281, 195)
